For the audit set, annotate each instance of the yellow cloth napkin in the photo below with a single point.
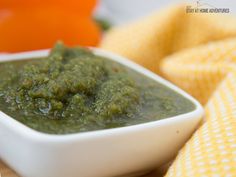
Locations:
(197, 52)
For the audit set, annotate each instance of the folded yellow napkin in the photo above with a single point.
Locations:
(197, 52)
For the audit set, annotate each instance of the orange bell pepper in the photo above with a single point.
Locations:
(83, 7)
(37, 24)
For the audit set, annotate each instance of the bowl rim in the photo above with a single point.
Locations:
(35, 135)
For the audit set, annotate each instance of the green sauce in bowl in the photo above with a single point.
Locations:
(72, 90)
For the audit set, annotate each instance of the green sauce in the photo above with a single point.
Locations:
(72, 90)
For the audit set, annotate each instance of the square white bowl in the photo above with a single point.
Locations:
(102, 153)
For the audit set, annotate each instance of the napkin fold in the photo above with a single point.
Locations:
(197, 52)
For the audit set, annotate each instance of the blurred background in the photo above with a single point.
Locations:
(123, 11)
(37, 24)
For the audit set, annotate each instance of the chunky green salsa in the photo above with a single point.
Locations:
(72, 90)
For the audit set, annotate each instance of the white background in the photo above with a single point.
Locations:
(123, 11)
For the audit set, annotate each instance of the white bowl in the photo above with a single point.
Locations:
(102, 153)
